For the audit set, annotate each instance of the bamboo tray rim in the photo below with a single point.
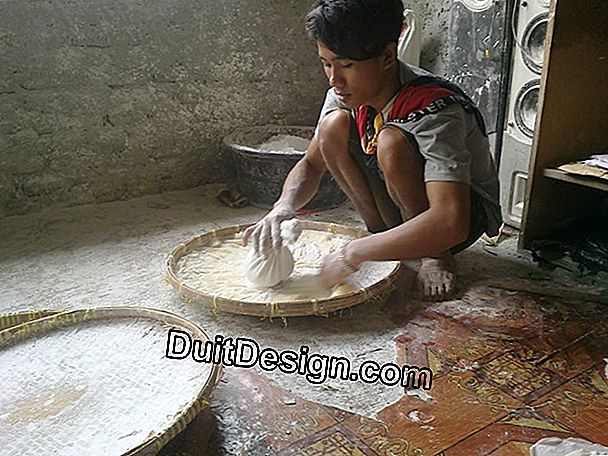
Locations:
(35, 323)
(301, 307)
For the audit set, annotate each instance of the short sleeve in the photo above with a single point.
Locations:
(441, 140)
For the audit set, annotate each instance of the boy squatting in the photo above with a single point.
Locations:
(408, 148)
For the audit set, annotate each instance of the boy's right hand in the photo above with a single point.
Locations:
(266, 234)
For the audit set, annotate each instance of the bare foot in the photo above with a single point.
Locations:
(436, 278)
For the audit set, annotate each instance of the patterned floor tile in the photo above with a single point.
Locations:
(286, 418)
(581, 405)
(560, 337)
(495, 310)
(379, 437)
(334, 441)
(461, 406)
(444, 345)
(516, 374)
(511, 435)
(512, 449)
(508, 369)
(572, 360)
(337, 414)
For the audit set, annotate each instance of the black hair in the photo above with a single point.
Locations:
(355, 29)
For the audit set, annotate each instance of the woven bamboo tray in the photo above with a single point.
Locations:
(17, 318)
(375, 292)
(97, 382)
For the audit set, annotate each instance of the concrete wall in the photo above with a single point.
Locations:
(434, 17)
(112, 99)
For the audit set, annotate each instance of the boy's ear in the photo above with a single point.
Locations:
(389, 55)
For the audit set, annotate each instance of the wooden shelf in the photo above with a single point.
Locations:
(571, 119)
(592, 182)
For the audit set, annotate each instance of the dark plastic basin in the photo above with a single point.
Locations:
(261, 173)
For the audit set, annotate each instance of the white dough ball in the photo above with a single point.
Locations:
(267, 272)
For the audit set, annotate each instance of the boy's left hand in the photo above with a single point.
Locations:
(334, 270)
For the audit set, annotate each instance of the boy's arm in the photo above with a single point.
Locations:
(433, 232)
(301, 184)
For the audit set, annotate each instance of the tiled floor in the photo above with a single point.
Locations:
(530, 367)
(510, 367)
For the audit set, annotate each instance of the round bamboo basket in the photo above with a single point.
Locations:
(17, 318)
(377, 291)
(59, 413)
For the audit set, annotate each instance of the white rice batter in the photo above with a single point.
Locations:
(218, 270)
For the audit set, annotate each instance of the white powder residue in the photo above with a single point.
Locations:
(103, 387)
(553, 446)
(285, 144)
(419, 393)
(414, 416)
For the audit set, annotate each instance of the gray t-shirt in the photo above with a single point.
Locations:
(453, 146)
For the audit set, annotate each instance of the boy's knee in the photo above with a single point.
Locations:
(333, 137)
(334, 126)
(394, 150)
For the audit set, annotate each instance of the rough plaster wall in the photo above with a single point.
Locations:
(434, 17)
(107, 100)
